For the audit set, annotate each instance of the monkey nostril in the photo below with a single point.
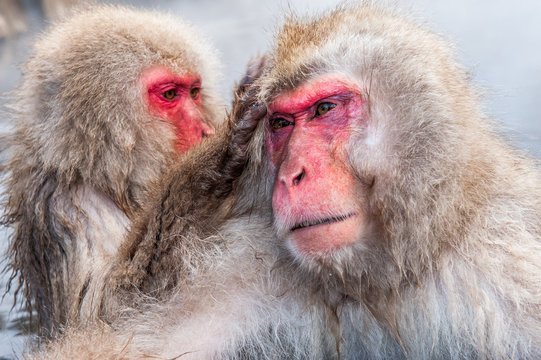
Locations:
(298, 178)
(203, 134)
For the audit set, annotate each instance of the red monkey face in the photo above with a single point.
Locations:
(177, 100)
(314, 191)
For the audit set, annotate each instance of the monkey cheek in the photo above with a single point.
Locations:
(324, 239)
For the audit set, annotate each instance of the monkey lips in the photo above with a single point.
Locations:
(318, 237)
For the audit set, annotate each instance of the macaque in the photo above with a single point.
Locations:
(358, 205)
(108, 100)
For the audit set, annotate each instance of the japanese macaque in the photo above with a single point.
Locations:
(377, 215)
(108, 100)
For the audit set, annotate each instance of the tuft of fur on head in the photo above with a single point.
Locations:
(81, 126)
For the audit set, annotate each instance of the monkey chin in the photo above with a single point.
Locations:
(322, 237)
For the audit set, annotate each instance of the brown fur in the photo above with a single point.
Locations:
(85, 148)
(449, 268)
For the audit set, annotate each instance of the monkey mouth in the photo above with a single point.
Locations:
(325, 221)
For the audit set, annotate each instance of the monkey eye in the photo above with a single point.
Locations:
(324, 108)
(170, 94)
(279, 122)
(194, 92)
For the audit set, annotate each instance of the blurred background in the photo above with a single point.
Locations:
(498, 41)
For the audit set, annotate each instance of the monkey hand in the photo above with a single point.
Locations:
(243, 121)
(255, 68)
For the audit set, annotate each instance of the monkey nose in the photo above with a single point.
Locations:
(287, 188)
(293, 179)
(297, 179)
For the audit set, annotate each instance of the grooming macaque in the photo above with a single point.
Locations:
(379, 216)
(108, 101)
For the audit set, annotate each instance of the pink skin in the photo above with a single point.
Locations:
(313, 182)
(183, 110)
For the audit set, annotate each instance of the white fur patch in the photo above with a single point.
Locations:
(101, 228)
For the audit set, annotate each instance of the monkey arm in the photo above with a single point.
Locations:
(170, 239)
(190, 203)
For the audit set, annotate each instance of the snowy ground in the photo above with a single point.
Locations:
(499, 41)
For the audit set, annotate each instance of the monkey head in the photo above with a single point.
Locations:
(116, 94)
(364, 167)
